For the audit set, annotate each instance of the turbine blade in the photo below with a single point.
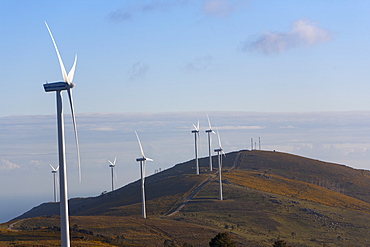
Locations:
(219, 139)
(195, 127)
(148, 159)
(198, 125)
(75, 131)
(114, 162)
(52, 167)
(209, 122)
(57, 168)
(64, 73)
(71, 73)
(141, 148)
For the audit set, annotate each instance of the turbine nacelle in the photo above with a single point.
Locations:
(58, 86)
(143, 158)
(55, 170)
(113, 164)
(196, 128)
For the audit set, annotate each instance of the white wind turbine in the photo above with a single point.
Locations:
(58, 87)
(196, 137)
(219, 155)
(112, 166)
(54, 172)
(209, 131)
(142, 160)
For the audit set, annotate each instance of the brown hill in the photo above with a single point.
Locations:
(268, 196)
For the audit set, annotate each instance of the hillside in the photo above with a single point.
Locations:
(340, 178)
(268, 196)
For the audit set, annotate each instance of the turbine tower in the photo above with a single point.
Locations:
(54, 172)
(259, 143)
(196, 137)
(58, 87)
(112, 166)
(219, 155)
(209, 131)
(142, 161)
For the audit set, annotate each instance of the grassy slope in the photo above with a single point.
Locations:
(268, 195)
(340, 178)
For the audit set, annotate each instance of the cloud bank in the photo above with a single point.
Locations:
(302, 33)
(7, 165)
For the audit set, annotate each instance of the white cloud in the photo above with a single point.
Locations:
(308, 33)
(8, 165)
(302, 33)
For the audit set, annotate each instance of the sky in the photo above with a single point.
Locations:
(294, 73)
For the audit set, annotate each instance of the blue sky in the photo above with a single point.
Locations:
(159, 56)
(292, 72)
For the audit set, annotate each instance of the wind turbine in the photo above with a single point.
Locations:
(209, 131)
(142, 161)
(219, 155)
(54, 172)
(196, 134)
(58, 87)
(112, 166)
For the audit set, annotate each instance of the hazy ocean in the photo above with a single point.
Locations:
(13, 206)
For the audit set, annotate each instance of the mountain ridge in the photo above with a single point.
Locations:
(338, 178)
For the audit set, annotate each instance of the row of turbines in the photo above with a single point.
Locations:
(67, 85)
(143, 159)
(219, 151)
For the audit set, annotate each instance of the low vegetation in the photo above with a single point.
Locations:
(270, 198)
(295, 189)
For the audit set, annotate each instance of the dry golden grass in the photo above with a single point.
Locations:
(39, 238)
(112, 230)
(296, 189)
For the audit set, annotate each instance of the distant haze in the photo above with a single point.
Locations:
(28, 146)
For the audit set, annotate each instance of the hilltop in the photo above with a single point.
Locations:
(268, 196)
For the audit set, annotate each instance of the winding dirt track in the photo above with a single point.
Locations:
(190, 196)
(200, 186)
(10, 227)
